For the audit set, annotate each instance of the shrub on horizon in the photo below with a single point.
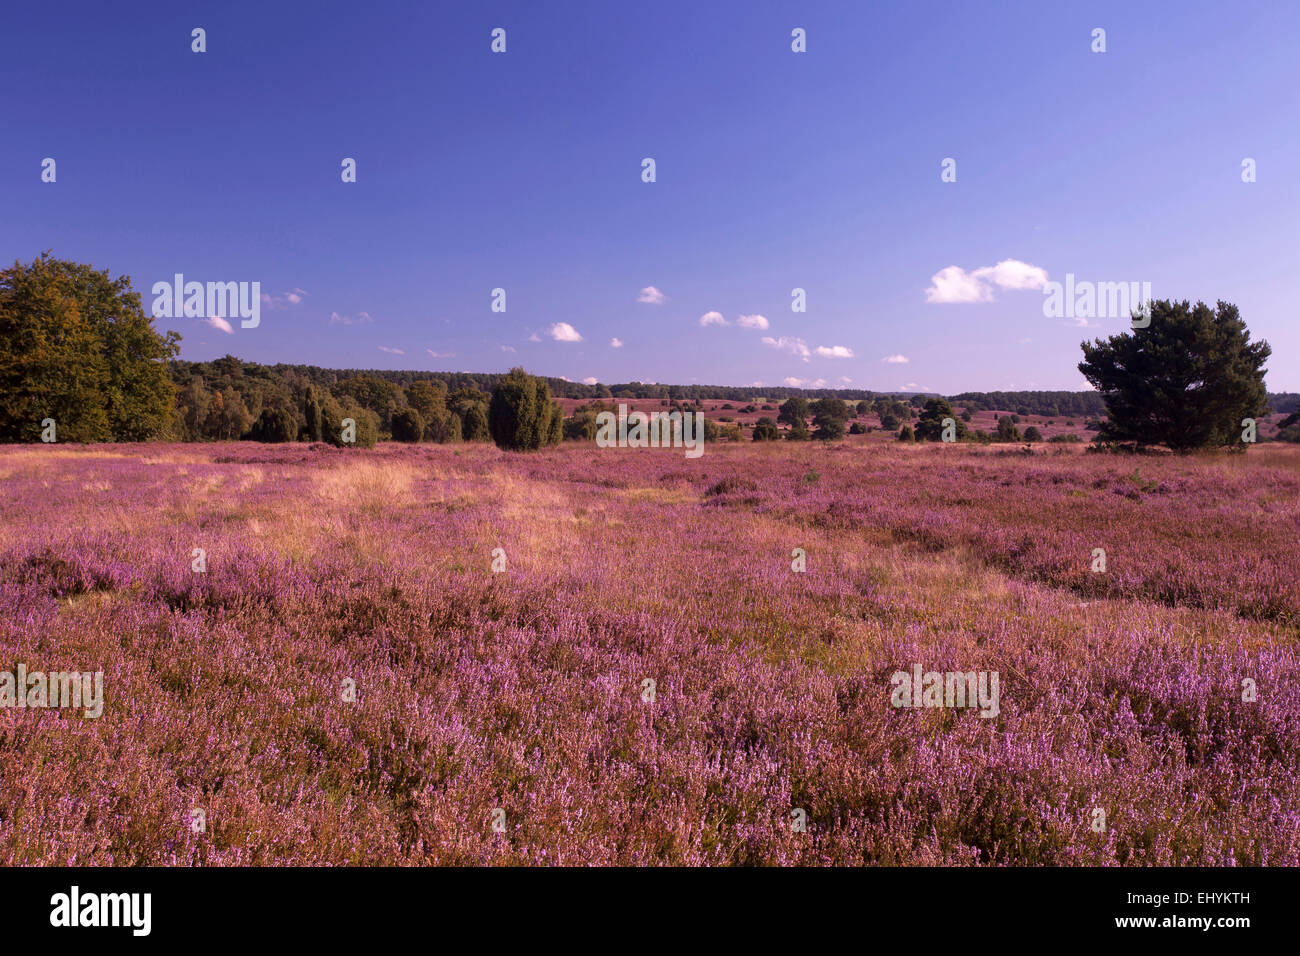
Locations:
(521, 415)
(275, 424)
(408, 425)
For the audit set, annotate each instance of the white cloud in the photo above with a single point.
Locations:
(895, 360)
(794, 346)
(564, 332)
(440, 354)
(712, 318)
(220, 324)
(792, 382)
(955, 284)
(283, 299)
(914, 387)
(651, 296)
(362, 318)
(753, 322)
(846, 380)
(616, 343)
(804, 383)
(534, 337)
(834, 351)
(590, 380)
(1014, 274)
(507, 348)
(385, 348)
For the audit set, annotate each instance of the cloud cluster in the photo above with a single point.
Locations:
(284, 299)
(955, 284)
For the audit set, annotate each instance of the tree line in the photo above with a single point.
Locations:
(78, 349)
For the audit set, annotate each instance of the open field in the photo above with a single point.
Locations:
(523, 690)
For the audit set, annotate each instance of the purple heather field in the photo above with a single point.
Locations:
(506, 716)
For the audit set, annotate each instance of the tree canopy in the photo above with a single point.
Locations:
(76, 346)
(1186, 381)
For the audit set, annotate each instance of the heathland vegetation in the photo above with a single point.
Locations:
(389, 646)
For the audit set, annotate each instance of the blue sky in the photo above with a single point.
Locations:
(775, 170)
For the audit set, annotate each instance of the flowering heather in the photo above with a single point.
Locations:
(523, 690)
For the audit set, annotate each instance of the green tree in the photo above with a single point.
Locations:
(1185, 381)
(193, 405)
(408, 425)
(443, 427)
(555, 434)
(1033, 434)
(381, 396)
(365, 427)
(474, 423)
(313, 415)
(794, 412)
(427, 398)
(766, 430)
(929, 426)
(1007, 430)
(77, 346)
(228, 416)
(829, 417)
(275, 424)
(520, 412)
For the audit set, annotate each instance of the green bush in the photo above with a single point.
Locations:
(521, 415)
(275, 424)
(408, 425)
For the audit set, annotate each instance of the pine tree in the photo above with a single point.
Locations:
(1187, 380)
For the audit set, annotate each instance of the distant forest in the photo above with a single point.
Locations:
(226, 398)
